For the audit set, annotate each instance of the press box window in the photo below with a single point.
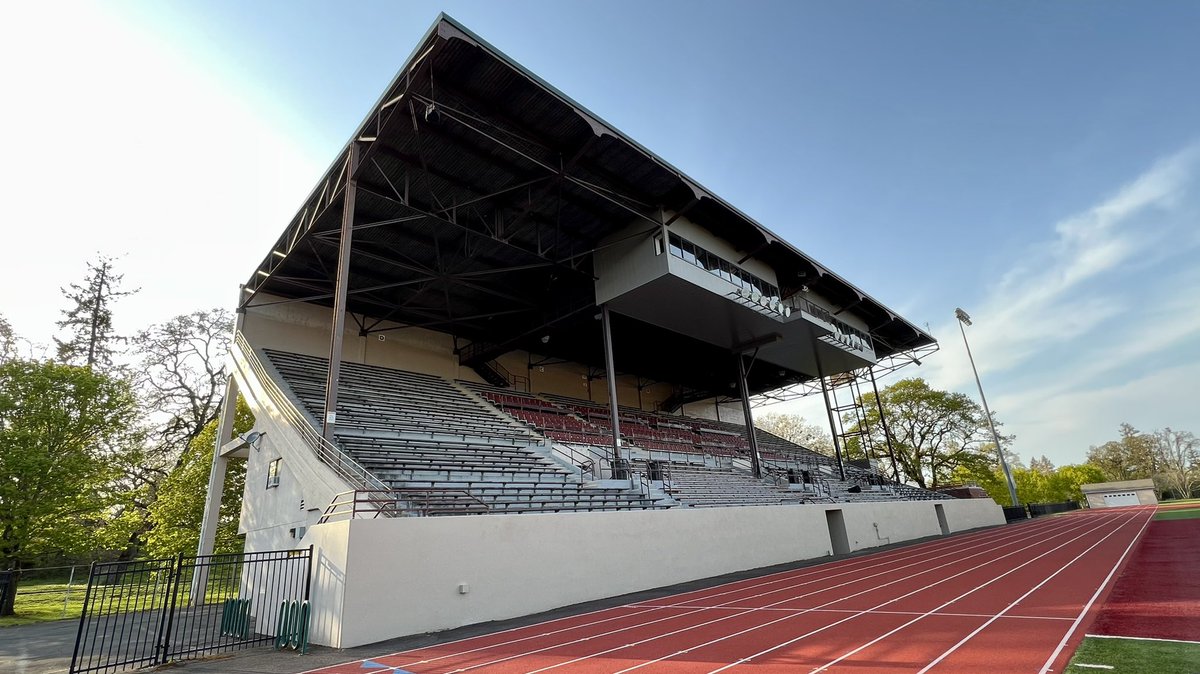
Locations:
(273, 473)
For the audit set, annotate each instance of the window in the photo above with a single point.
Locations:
(716, 265)
(273, 473)
(689, 252)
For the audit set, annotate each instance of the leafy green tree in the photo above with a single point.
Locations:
(797, 429)
(1040, 483)
(1178, 461)
(1132, 457)
(58, 424)
(176, 514)
(8, 341)
(933, 432)
(90, 339)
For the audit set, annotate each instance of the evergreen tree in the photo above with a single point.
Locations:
(90, 339)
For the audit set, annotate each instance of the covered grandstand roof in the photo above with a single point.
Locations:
(482, 192)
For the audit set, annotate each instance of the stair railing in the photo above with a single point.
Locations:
(328, 453)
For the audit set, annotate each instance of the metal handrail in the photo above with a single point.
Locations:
(585, 463)
(330, 454)
(400, 502)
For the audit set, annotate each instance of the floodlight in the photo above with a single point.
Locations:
(962, 316)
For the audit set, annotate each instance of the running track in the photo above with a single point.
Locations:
(1006, 600)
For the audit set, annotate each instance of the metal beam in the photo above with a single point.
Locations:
(744, 390)
(833, 428)
(611, 375)
(341, 284)
(887, 433)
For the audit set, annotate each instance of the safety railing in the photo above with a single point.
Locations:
(330, 454)
(402, 502)
(584, 462)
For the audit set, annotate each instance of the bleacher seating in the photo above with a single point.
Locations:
(420, 431)
(705, 486)
(476, 443)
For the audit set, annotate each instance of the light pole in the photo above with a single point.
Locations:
(964, 319)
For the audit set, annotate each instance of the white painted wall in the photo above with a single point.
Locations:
(402, 576)
(306, 484)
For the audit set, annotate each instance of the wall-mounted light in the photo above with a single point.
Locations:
(254, 439)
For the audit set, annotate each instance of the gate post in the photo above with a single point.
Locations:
(87, 596)
(167, 621)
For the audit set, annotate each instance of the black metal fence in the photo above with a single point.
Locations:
(1039, 509)
(1012, 513)
(149, 612)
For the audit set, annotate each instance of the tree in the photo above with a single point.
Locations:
(1133, 457)
(181, 377)
(1041, 465)
(1040, 483)
(8, 341)
(1178, 454)
(795, 428)
(933, 432)
(57, 423)
(179, 509)
(91, 340)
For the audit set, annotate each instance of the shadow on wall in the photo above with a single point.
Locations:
(328, 589)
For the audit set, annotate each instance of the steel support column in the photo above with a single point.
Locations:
(611, 370)
(341, 285)
(887, 433)
(833, 427)
(216, 474)
(744, 389)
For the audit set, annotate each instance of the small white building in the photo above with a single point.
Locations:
(1126, 493)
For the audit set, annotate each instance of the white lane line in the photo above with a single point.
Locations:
(1113, 636)
(847, 566)
(1080, 664)
(991, 546)
(1018, 600)
(997, 537)
(1078, 619)
(855, 613)
(847, 610)
(743, 612)
(943, 605)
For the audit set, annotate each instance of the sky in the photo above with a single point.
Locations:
(1036, 163)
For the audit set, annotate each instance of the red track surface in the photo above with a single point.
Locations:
(1005, 600)
(1158, 595)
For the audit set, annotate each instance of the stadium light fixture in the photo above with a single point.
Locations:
(965, 319)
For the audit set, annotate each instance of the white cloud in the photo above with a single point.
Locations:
(1063, 425)
(1115, 287)
(1044, 298)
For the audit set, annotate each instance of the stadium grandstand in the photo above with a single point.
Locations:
(505, 359)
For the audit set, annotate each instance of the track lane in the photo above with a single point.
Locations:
(697, 630)
(783, 635)
(601, 619)
(992, 598)
(734, 644)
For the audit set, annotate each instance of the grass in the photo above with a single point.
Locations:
(1178, 513)
(1135, 656)
(1181, 501)
(1179, 509)
(42, 600)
